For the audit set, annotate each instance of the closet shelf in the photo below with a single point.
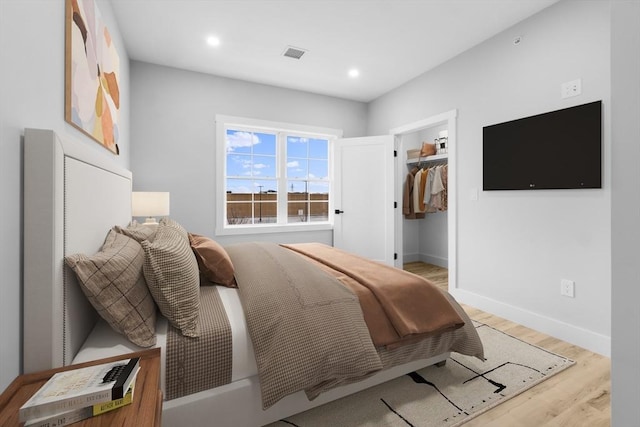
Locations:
(433, 158)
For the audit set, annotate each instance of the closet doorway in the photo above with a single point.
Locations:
(432, 239)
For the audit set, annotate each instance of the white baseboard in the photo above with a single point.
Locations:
(435, 260)
(410, 258)
(584, 338)
(429, 259)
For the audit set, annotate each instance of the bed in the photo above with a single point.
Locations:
(75, 195)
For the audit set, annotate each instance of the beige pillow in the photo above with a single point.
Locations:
(171, 270)
(168, 222)
(213, 261)
(113, 282)
(138, 232)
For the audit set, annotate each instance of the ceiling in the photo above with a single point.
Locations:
(389, 41)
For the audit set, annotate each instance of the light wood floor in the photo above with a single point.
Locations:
(578, 396)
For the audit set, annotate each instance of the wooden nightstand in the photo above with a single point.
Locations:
(145, 410)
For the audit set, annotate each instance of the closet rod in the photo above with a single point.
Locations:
(444, 158)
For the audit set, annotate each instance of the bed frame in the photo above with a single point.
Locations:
(73, 195)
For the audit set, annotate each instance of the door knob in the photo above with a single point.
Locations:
(338, 211)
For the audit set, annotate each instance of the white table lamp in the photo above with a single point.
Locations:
(149, 204)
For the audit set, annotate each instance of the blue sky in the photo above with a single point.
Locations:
(252, 155)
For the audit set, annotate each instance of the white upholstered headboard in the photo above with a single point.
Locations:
(73, 195)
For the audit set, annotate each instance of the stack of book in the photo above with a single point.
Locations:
(74, 395)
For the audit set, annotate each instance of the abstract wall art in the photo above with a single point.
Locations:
(92, 74)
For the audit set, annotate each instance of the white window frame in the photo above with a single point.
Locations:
(223, 123)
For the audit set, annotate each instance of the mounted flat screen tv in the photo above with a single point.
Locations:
(557, 150)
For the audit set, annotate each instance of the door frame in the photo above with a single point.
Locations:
(448, 118)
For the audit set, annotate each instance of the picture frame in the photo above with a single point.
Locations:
(92, 74)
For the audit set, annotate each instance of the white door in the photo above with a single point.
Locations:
(364, 197)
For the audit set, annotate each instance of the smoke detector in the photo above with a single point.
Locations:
(293, 52)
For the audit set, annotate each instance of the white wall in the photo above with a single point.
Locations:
(514, 247)
(173, 126)
(32, 95)
(625, 212)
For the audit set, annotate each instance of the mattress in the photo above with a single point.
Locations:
(105, 342)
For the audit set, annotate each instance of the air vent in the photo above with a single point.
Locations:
(294, 52)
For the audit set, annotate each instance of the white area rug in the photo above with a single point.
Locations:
(446, 396)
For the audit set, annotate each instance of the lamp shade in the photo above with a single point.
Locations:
(149, 204)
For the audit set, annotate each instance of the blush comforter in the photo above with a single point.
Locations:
(398, 306)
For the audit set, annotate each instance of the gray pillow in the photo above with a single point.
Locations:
(114, 283)
(171, 270)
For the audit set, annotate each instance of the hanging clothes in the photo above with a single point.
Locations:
(408, 196)
(424, 182)
(428, 188)
(425, 191)
(437, 187)
(418, 192)
(445, 183)
(433, 197)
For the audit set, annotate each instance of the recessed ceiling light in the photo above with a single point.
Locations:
(213, 41)
(353, 73)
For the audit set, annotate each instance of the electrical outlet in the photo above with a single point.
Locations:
(572, 88)
(567, 288)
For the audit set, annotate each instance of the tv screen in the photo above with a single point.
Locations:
(557, 150)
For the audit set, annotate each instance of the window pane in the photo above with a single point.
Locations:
(297, 212)
(319, 211)
(318, 148)
(238, 165)
(266, 188)
(297, 146)
(240, 141)
(297, 168)
(239, 186)
(319, 188)
(239, 213)
(265, 212)
(318, 169)
(296, 186)
(265, 144)
(264, 166)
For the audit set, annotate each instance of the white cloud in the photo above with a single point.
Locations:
(241, 139)
(293, 164)
(297, 139)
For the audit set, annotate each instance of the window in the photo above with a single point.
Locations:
(308, 181)
(273, 176)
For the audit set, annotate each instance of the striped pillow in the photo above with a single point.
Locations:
(114, 283)
(171, 270)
